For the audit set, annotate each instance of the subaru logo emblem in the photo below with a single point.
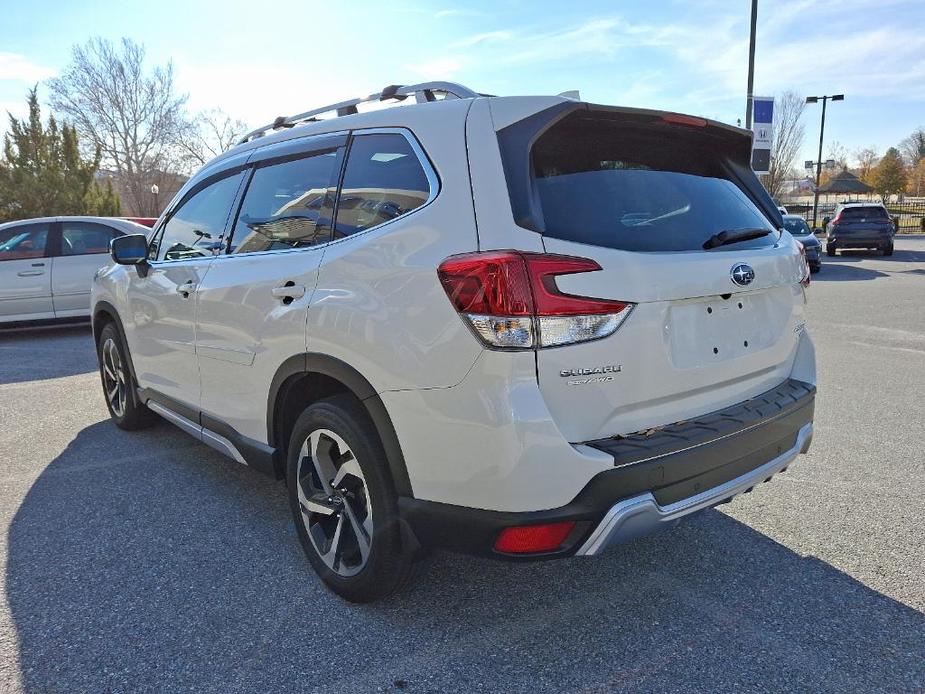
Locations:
(742, 274)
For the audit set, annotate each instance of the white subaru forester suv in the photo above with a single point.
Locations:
(519, 327)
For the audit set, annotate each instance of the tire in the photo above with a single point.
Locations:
(340, 490)
(830, 250)
(118, 385)
(888, 249)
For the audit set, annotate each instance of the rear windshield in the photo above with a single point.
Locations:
(638, 189)
(873, 212)
(797, 227)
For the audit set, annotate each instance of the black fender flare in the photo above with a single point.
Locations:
(312, 362)
(113, 314)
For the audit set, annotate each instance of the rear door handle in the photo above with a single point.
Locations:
(289, 291)
(30, 273)
(186, 288)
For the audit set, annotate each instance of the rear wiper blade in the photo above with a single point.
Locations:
(724, 238)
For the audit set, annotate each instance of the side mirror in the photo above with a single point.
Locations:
(129, 250)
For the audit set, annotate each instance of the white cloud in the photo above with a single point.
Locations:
(482, 38)
(16, 67)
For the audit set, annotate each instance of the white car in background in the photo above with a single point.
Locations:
(47, 265)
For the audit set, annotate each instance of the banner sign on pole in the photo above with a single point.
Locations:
(763, 128)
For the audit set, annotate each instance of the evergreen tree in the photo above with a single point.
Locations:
(102, 201)
(43, 174)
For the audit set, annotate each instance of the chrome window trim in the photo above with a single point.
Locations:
(430, 173)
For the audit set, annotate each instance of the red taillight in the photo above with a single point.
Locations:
(510, 297)
(542, 270)
(530, 539)
(490, 284)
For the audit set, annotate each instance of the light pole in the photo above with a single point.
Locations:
(751, 67)
(814, 100)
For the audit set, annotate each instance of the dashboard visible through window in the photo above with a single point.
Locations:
(196, 229)
(287, 205)
(27, 241)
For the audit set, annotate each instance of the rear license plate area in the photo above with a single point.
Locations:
(713, 330)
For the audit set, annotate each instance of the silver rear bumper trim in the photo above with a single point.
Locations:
(641, 515)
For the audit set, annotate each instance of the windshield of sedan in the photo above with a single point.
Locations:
(797, 226)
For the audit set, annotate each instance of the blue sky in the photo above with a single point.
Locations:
(256, 60)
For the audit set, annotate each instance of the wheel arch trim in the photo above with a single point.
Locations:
(325, 365)
(104, 307)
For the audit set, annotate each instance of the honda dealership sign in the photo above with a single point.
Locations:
(763, 128)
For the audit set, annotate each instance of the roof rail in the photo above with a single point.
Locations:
(426, 91)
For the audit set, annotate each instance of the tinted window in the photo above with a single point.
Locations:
(383, 180)
(797, 227)
(24, 242)
(638, 189)
(195, 230)
(287, 205)
(873, 212)
(85, 238)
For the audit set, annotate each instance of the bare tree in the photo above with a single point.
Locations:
(839, 154)
(789, 133)
(208, 135)
(913, 147)
(132, 114)
(867, 160)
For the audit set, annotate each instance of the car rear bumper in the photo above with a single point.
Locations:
(642, 514)
(656, 479)
(860, 240)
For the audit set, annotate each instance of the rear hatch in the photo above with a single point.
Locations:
(641, 193)
(862, 223)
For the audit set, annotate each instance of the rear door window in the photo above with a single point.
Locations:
(85, 238)
(288, 205)
(383, 181)
(638, 189)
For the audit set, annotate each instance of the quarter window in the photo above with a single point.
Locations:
(85, 238)
(287, 205)
(195, 230)
(24, 242)
(383, 180)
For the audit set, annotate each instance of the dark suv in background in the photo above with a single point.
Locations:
(859, 225)
(800, 230)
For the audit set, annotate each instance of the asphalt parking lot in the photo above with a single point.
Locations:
(147, 561)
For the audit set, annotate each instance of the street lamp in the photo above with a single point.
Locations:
(154, 191)
(818, 162)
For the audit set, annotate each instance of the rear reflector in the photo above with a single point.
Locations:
(511, 300)
(529, 539)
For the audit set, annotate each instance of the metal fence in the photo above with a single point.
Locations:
(908, 215)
